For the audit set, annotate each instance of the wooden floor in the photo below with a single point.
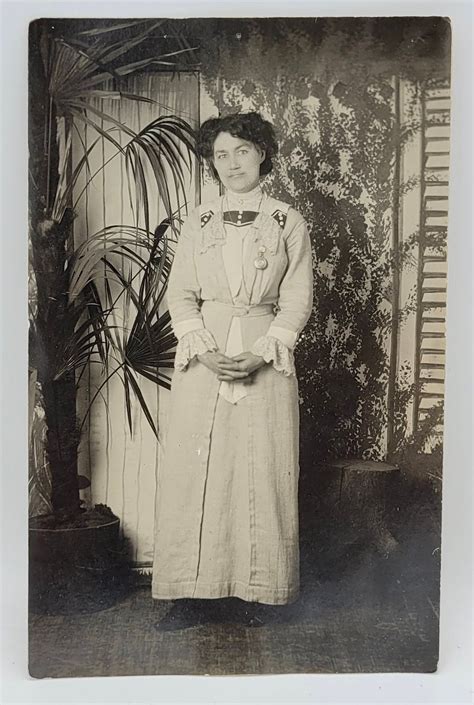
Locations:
(360, 611)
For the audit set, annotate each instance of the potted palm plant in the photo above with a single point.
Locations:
(72, 316)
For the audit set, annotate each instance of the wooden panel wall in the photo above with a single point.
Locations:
(124, 467)
(432, 270)
(424, 211)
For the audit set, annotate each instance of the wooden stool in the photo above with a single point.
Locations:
(362, 480)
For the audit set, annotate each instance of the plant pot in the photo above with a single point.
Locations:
(73, 544)
(77, 568)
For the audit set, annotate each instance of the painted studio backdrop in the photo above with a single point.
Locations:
(361, 108)
(364, 156)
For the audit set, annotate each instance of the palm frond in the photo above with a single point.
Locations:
(160, 142)
(74, 65)
(67, 182)
(86, 331)
(146, 346)
(79, 113)
(128, 400)
(144, 63)
(115, 371)
(100, 247)
(158, 378)
(123, 47)
(116, 280)
(103, 117)
(141, 399)
(114, 27)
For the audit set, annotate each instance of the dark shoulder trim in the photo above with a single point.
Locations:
(280, 217)
(206, 217)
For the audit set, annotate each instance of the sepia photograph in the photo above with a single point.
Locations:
(237, 296)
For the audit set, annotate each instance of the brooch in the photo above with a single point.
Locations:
(261, 262)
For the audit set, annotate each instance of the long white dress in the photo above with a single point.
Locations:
(227, 509)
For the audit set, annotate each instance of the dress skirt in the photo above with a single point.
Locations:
(227, 495)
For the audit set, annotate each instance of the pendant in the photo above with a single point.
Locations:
(261, 262)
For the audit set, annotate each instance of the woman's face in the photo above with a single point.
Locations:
(237, 162)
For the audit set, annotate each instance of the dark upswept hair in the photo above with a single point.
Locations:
(248, 126)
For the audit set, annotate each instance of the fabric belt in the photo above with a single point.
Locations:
(234, 391)
(240, 309)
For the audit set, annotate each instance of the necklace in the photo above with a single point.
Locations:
(260, 262)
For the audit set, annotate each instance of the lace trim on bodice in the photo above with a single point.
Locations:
(213, 231)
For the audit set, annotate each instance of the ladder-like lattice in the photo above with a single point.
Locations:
(432, 270)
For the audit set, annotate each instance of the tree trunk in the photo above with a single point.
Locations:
(49, 243)
(62, 444)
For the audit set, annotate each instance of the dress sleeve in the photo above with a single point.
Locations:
(272, 350)
(196, 342)
(294, 303)
(184, 291)
(184, 298)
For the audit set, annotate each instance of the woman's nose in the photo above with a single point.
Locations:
(234, 163)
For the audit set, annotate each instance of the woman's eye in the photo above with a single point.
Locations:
(221, 156)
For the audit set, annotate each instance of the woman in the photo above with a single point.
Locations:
(239, 294)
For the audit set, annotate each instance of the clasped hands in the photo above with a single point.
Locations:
(232, 369)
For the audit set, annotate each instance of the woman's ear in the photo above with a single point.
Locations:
(263, 154)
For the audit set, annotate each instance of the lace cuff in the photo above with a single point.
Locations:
(273, 350)
(196, 342)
